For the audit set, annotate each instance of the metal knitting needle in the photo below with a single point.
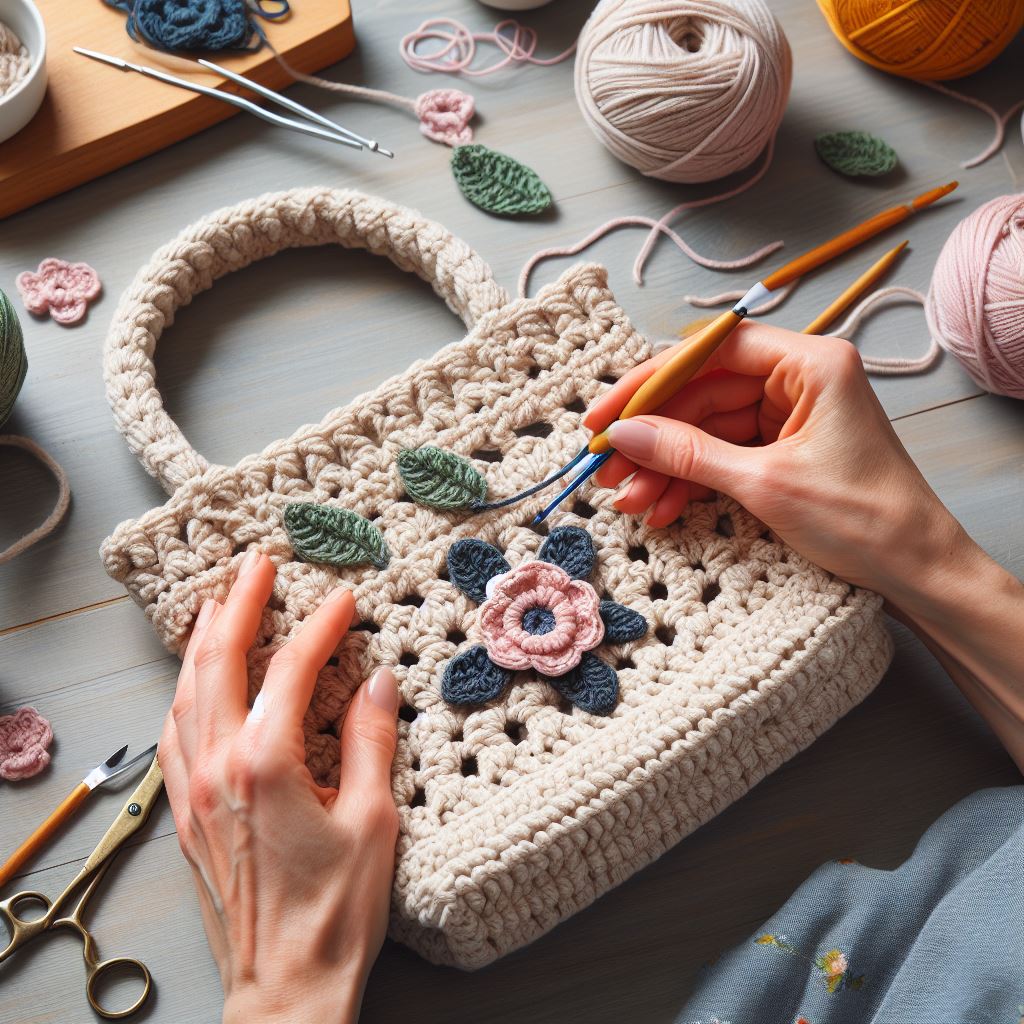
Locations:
(224, 97)
(297, 108)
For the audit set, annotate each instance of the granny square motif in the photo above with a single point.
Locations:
(522, 807)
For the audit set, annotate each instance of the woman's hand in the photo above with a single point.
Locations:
(294, 880)
(789, 426)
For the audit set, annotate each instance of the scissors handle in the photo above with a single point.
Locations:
(132, 817)
(121, 965)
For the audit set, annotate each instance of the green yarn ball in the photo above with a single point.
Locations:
(13, 358)
(856, 154)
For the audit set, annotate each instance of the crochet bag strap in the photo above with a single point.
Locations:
(232, 238)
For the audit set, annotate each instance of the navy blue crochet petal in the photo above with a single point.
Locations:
(472, 678)
(621, 624)
(471, 563)
(592, 685)
(570, 548)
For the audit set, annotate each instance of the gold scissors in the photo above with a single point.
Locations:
(23, 930)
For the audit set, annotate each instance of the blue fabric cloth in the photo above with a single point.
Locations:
(939, 940)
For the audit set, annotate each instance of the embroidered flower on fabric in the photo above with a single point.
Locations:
(834, 966)
(541, 616)
(62, 289)
(24, 739)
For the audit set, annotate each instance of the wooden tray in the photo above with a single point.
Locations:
(96, 118)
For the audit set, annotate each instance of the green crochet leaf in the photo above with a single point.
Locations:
(334, 536)
(856, 154)
(497, 183)
(440, 479)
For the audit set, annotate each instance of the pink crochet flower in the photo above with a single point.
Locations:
(24, 737)
(538, 617)
(63, 289)
(445, 115)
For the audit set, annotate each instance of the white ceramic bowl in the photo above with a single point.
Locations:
(19, 106)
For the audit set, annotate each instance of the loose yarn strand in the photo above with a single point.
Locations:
(50, 523)
(883, 366)
(459, 47)
(999, 120)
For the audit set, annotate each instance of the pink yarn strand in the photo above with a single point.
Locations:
(883, 366)
(458, 47)
(621, 222)
(1000, 120)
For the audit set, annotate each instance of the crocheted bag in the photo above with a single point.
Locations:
(520, 811)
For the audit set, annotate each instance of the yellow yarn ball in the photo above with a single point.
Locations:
(929, 39)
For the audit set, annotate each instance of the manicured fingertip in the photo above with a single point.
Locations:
(249, 562)
(382, 690)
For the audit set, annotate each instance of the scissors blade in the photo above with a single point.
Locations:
(129, 765)
(103, 771)
(132, 817)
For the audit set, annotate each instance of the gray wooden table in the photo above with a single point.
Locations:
(298, 334)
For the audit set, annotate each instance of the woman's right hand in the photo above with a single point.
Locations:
(789, 426)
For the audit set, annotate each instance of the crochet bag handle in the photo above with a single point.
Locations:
(232, 238)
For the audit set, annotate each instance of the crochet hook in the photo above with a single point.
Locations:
(298, 108)
(224, 97)
(685, 363)
(100, 775)
(870, 277)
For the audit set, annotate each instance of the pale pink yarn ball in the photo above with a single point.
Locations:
(975, 306)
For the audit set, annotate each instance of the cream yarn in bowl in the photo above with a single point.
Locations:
(19, 104)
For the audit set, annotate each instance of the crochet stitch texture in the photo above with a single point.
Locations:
(519, 813)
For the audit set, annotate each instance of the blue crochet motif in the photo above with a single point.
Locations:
(174, 25)
(571, 549)
(472, 678)
(621, 624)
(471, 563)
(592, 686)
(539, 621)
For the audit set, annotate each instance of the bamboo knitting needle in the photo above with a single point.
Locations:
(669, 378)
(97, 777)
(870, 277)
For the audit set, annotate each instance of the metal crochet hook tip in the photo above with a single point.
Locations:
(590, 467)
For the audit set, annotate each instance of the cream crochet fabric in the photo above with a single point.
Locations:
(518, 814)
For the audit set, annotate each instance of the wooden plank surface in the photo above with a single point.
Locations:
(93, 121)
(288, 339)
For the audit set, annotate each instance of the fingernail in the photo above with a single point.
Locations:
(252, 556)
(336, 594)
(633, 438)
(622, 494)
(205, 613)
(382, 690)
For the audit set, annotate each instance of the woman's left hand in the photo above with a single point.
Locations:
(294, 880)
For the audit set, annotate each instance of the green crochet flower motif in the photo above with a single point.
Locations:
(334, 536)
(440, 479)
(856, 154)
(497, 183)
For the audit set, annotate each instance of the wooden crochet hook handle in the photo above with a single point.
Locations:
(41, 836)
(669, 378)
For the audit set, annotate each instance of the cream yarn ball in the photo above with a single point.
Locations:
(683, 90)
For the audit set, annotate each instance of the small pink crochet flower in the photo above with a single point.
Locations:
(24, 737)
(445, 115)
(537, 616)
(63, 289)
